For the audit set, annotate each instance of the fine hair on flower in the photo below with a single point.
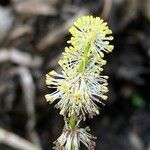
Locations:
(81, 84)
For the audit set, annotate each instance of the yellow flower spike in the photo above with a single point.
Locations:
(93, 31)
(73, 135)
(81, 85)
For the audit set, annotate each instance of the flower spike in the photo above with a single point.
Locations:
(71, 137)
(81, 84)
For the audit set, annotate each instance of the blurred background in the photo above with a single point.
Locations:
(33, 34)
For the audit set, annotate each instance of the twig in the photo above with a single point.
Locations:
(135, 141)
(53, 36)
(106, 9)
(28, 89)
(19, 31)
(20, 58)
(15, 141)
(40, 8)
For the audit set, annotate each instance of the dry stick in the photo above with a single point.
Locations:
(20, 30)
(40, 8)
(28, 88)
(135, 140)
(15, 141)
(53, 36)
(19, 57)
(106, 9)
(27, 83)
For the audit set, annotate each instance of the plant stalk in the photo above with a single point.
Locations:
(72, 123)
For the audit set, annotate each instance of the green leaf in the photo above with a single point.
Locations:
(138, 101)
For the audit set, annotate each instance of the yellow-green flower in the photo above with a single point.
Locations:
(72, 60)
(77, 93)
(81, 85)
(91, 31)
(71, 137)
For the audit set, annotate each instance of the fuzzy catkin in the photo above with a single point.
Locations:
(81, 85)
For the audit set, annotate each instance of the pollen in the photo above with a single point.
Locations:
(91, 37)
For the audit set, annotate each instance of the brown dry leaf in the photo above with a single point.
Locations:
(54, 36)
(15, 141)
(21, 58)
(6, 21)
(34, 7)
(19, 31)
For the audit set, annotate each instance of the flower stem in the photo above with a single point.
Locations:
(82, 68)
(72, 147)
(85, 58)
(72, 123)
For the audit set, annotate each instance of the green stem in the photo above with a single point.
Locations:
(85, 58)
(82, 68)
(72, 147)
(72, 123)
